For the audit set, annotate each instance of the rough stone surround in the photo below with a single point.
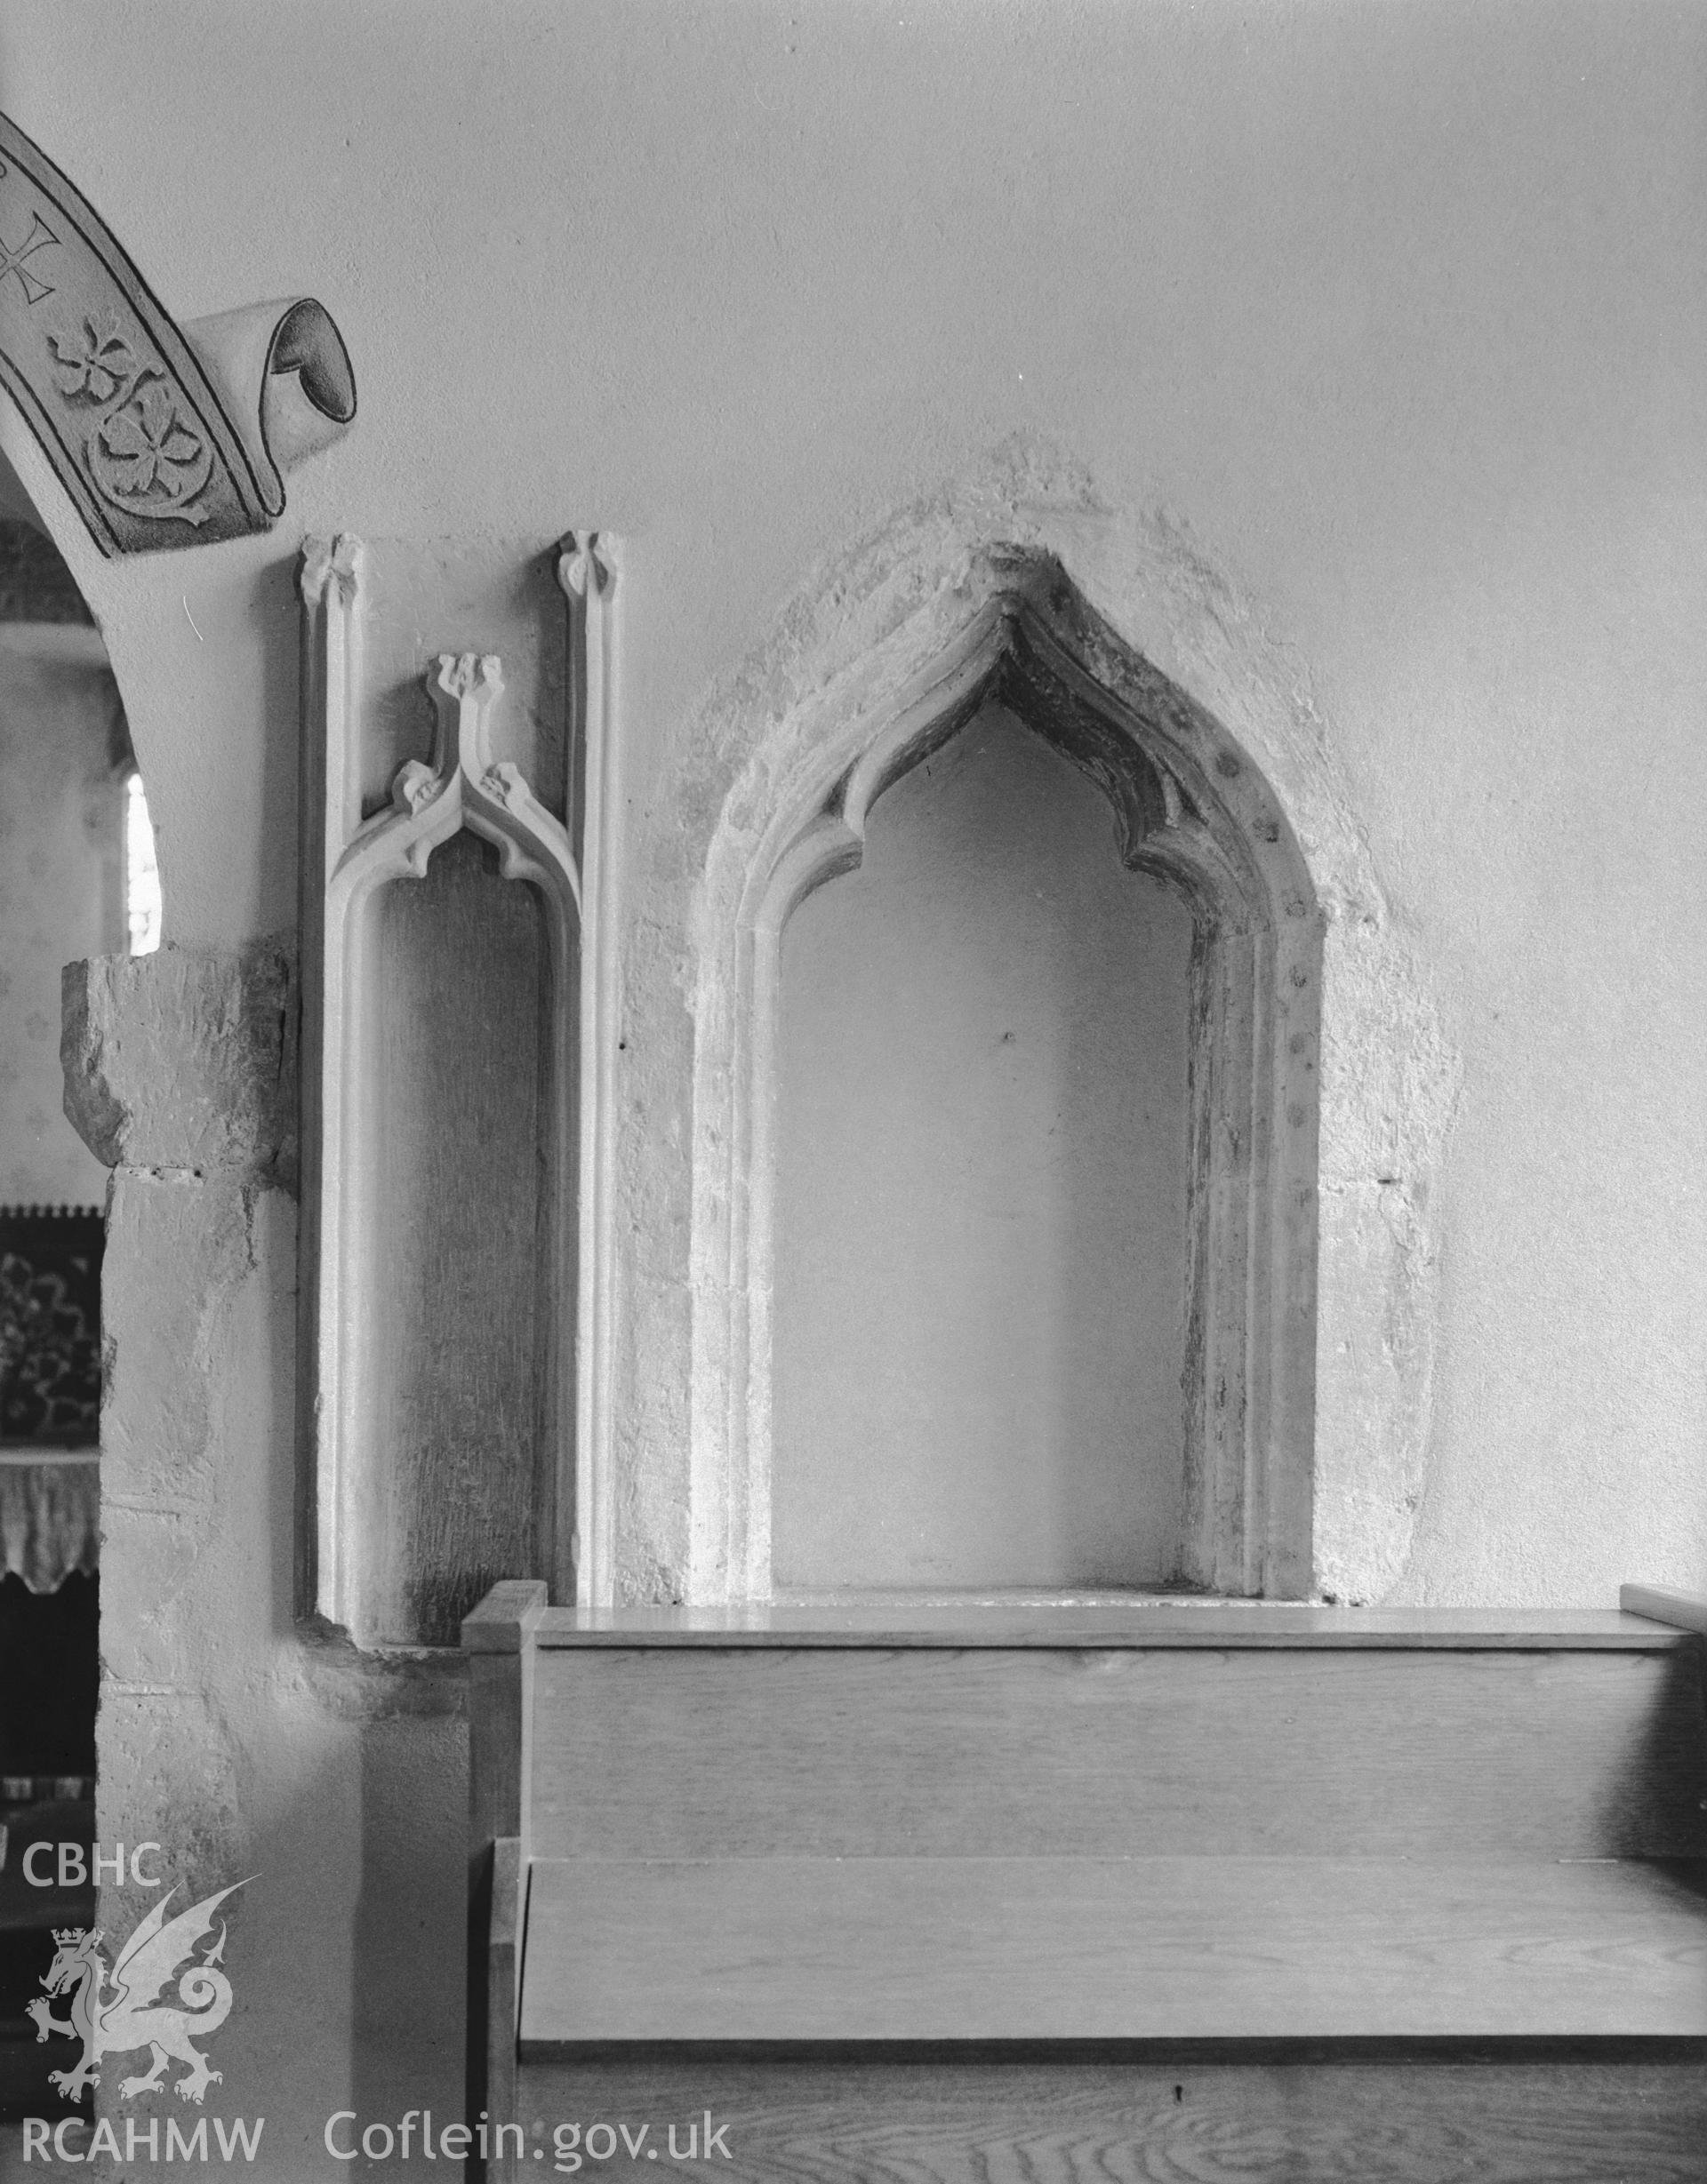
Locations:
(859, 625)
(179, 1075)
(243, 1740)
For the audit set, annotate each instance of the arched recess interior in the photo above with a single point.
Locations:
(1191, 808)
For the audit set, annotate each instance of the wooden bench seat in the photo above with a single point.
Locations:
(1096, 1948)
(792, 1838)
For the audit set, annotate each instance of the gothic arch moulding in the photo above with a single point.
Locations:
(1192, 808)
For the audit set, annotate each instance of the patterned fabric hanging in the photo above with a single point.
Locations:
(50, 1516)
(50, 1326)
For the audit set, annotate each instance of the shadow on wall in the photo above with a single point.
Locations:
(408, 1966)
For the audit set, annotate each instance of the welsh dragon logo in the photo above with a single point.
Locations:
(134, 2014)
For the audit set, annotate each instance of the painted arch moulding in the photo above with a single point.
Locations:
(161, 435)
(1112, 639)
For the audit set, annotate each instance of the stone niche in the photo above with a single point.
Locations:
(1005, 1172)
(453, 804)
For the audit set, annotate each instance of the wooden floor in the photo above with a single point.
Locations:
(1092, 1948)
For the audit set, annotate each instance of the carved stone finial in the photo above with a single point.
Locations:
(463, 675)
(587, 560)
(326, 562)
(476, 681)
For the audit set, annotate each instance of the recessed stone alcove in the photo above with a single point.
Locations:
(1320, 1078)
(1192, 810)
(460, 1279)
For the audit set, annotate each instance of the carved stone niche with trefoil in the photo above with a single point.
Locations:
(456, 811)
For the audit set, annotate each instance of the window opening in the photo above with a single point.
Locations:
(143, 906)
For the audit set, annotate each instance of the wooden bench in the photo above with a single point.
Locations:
(1257, 1890)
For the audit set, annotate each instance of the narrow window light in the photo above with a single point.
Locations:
(141, 873)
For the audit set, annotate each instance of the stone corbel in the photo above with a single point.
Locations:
(162, 435)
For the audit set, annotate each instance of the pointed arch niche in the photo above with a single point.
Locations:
(453, 1346)
(1190, 809)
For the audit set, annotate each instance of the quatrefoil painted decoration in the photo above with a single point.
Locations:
(162, 436)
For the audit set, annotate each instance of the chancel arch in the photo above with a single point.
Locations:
(1190, 809)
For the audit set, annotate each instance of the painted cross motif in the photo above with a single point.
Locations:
(11, 262)
(151, 452)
